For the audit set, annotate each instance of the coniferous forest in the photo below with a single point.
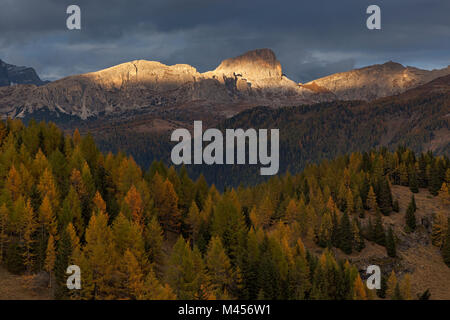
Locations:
(157, 234)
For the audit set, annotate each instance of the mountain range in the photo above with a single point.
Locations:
(253, 79)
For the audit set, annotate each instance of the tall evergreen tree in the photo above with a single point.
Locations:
(390, 243)
(346, 234)
(379, 234)
(50, 259)
(410, 216)
(439, 229)
(29, 228)
(62, 261)
(372, 201)
(392, 285)
(219, 267)
(4, 220)
(384, 196)
(446, 246)
(435, 181)
(413, 182)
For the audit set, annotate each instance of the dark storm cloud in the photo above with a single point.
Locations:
(310, 38)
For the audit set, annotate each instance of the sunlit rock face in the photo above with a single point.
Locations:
(376, 81)
(256, 65)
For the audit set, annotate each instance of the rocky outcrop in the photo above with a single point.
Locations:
(375, 81)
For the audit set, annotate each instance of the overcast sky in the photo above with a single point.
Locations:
(311, 38)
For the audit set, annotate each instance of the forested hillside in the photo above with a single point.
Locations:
(417, 119)
(157, 234)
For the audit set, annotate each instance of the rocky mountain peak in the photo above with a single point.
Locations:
(253, 65)
(392, 65)
(375, 81)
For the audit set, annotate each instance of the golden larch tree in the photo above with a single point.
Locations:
(391, 285)
(29, 228)
(50, 258)
(359, 291)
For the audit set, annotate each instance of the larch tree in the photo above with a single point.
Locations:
(50, 258)
(229, 224)
(154, 238)
(358, 239)
(71, 212)
(29, 229)
(99, 205)
(127, 235)
(134, 281)
(405, 287)
(265, 212)
(62, 261)
(14, 183)
(98, 259)
(194, 219)
(219, 267)
(391, 285)
(155, 290)
(47, 187)
(325, 230)
(346, 234)
(181, 272)
(292, 213)
(372, 201)
(444, 193)
(88, 180)
(134, 205)
(299, 281)
(446, 246)
(4, 222)
(439, 229)
(359, 289)
(47, 218)
(349, 203)
(168, 211)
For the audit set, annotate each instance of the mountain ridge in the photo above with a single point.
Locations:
(382, 80)
(13, 75)
(251, 79)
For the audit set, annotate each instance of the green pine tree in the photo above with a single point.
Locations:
(390, 243)
(446, 247)
(384, 198)
(410, 217)
(345, 234)
(379, 234)
(413, 182)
